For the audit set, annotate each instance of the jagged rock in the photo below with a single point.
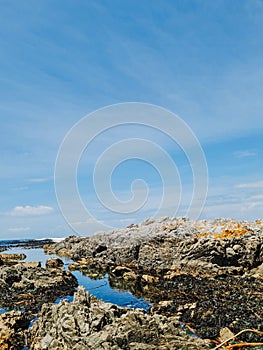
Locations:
(257, 272)
(99, 249)
(213, 263)
(6, 256)
(29, 286)
(152, 247)
(87, 323)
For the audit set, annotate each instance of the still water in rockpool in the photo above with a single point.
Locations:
(99, 287)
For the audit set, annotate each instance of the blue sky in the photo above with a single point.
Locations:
(61, 60)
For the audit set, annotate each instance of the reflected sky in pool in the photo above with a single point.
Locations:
(99, 288)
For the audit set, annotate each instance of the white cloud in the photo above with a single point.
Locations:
(18, 229)
(244, 153)
(30, 211)
(257, 184)
(79, 223)
(40, 179)
(257, 197)
(21, 188)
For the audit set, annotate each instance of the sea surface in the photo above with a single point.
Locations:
(99, 288)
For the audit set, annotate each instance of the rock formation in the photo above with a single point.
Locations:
(28, 287)
(87, 323)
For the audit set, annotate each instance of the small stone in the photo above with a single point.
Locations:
(31, 264)
(120, 270)
(225, 334)
(230, 252)
(237, 248)
(150, 279)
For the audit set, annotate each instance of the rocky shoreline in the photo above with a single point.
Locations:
(204, 275)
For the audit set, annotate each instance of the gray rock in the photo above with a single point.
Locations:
(87, 323)
(155, 245)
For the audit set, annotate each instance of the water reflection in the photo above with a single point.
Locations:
(98, 286)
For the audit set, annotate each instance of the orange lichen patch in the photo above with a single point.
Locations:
(229, 230)
(170, 227)
(232, 233)
(202, 234)
(234, 230)
(199, 228)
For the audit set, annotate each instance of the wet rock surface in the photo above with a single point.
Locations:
(87, 323)
(28, 287)
(208, 305)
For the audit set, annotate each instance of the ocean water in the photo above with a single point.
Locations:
(99, 288)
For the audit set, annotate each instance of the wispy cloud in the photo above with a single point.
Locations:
(21, 188)
(244, 153)
(257, 184)
(30, 210)
(18, 229)
(40, 179)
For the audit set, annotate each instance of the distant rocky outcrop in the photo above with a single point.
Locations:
(221, 246)
(11, 259)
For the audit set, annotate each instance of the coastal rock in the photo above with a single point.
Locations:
(29, 287)
(154, 246)
(149, 279)
(130, 276)
(12, 330)
(31, 263)
(65, 247)
(54, 263)
(213, 264)
(257, 272)
(120, 270)
(87, 323)
(11, 259)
